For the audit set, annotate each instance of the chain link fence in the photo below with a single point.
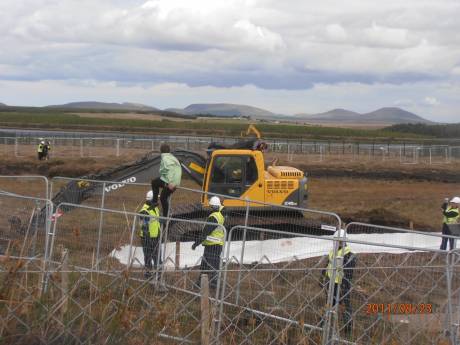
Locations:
(317, 151)
(34, 186)
(82, 280)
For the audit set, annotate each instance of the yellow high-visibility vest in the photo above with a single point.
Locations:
(452, 220)
(339, 272)
(40, 148)
(154, 223)
(216, 237)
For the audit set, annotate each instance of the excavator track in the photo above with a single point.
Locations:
(291, 221)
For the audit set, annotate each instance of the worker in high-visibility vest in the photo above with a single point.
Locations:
(342, 278)
(149, 233)
(212, 238)
(40, 149)
(450, 211)
(46, 150)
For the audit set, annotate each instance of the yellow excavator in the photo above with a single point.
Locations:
(240, 171)
(237, 171)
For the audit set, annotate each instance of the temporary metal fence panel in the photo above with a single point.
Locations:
(187, 203)
(397, 294)
(393, 235)
(453, 290)
(454, 152)
(107, 262)
(30, 185)
(273, 288)
(24, 225)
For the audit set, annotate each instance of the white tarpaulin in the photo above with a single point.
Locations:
(280, 250)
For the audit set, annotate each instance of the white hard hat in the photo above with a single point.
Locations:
(42, 142)
(455, 200)
(215, 201)
(149, 195)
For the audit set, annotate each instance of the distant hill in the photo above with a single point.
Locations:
(3, 105)
(224, 109)
(105, 106)
(380, 116)
(332, 115)
(393, 115)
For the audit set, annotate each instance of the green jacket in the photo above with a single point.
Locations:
(170, 169)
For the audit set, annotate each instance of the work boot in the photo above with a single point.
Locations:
(147, 274)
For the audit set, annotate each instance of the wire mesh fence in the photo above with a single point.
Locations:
(34, 185)
(84, 281)
(395, 294)
(316, 151)
(24, 225)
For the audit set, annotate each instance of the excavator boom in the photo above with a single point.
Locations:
(141, 171)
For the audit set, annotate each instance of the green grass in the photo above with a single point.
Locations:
(60, 119)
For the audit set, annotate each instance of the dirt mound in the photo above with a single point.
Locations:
(415, 175)
(379, 216)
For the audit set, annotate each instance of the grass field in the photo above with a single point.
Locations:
(158, 124)
(377, 192)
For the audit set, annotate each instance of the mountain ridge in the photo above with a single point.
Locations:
(104, 106)
(382, 116)
(224, 109)
(385, 115)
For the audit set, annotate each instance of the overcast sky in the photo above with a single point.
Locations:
(293, 56)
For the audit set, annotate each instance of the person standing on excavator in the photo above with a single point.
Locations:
(169, 180)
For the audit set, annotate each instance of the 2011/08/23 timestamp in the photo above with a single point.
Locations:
(399, 308)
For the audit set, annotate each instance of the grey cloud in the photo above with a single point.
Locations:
(271, 44)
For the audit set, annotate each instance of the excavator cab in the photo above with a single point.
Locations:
(241, 173)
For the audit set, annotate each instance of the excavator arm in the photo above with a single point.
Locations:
(254, 130)
(140, 171)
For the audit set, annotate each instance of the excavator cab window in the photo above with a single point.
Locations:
(251, 171)
(232, 175)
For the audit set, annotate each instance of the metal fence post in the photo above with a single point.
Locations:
(162, 253)
(330, 319)
(243, 244)
(450, 327)
(131, 240)
(101, 220)
(16, 147)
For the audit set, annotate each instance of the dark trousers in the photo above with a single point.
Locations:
(446, 231)
(210, 263)
(344, 299)
(151, 248)
(40, 156)
(164, 197)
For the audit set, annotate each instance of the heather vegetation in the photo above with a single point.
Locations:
(438, 131)
(58, 118)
